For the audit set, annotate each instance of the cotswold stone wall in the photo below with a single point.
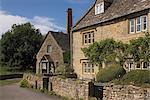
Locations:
(34, 80)
(70, 88)
(125, 92)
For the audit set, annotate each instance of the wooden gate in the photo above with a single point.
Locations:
(45, 83)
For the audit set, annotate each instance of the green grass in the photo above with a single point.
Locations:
(8, 71)
(7, 82)
(15, 70)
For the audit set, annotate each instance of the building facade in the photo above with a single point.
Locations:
(51, 53)
(121, 20)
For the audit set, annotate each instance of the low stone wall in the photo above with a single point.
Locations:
(64, 87)
(77, 89)
(34, 80)
(125, 92)
(70, 88)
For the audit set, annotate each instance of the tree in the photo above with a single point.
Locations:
(139, 49)
(105, 51)
(20, 45)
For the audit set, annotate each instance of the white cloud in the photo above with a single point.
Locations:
(43, 23)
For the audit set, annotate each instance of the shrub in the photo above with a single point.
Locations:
(24, 83)
(110, 73)
(66, 72)
(137, 77)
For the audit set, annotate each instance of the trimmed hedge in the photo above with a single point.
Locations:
(110, 73)
(137, 77)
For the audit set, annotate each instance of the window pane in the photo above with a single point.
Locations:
(132, 25)
(89, 38)
(85, 67)
(145, 65)
(89, 67)
(144, 22)
(93, 37)
(138, 24)
(92, 68)
(85, 38)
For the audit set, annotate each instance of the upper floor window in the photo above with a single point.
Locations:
(140, 24)
(144, 23)
(132, 26)
(49, 49)
(99, 8)
(88, 37)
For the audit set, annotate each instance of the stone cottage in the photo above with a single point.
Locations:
(53, 49)
(51, 52)
(121, 20)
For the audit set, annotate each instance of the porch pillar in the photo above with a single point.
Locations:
(40, 68)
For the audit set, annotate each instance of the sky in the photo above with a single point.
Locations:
(45, 15)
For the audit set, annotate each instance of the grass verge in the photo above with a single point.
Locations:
(10, 81)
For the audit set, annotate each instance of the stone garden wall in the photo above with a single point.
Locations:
(125, 92)
(70, 88)
(34, 80)
(77, 89)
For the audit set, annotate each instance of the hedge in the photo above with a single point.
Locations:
(137, 77)
(110, 73)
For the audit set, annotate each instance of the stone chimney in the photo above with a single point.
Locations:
(69, 20)
(69, 31)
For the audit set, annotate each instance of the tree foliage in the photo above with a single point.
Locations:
(20, 45)
(139, 49)
(110, 51)
(105, 51)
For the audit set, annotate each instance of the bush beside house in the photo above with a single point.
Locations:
(137, 77)
(110, 73)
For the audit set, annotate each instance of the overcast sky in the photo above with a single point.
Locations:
(43, 14)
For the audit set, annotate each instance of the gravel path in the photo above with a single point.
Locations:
(14, 92)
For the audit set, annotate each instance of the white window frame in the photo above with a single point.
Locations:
(132, 26)
(144, 23)
(138, 24)
(99, 8)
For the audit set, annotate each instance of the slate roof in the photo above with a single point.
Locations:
(62, 39)
(117, 9)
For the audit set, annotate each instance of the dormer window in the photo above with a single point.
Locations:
(99, 8)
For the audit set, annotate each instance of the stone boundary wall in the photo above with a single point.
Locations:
(77, 89)
(125, 92)
(33, 79)
(70, 88)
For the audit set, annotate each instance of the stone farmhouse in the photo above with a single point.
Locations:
(121, 20)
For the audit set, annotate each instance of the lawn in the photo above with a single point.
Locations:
(10, 81)
(8, 71)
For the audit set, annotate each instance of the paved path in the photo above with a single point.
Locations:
(14, 92)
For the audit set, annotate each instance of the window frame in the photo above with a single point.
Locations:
(132, 26)
(146, 23)
(138, 24)
(49, 49)
(99, 8)
(90, 37)
(88, 68)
